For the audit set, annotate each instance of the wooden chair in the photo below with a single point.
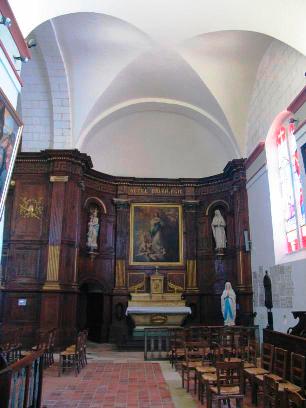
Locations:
(251, 355)
(209, 376)
(206, 366)
(83, 348)
(177, 349)
(270, 388)
(70, 359)
(266, 367)
(227, 343)
(297, 369)
(293, 399)
(229, 384)
(278, 372)
(193, 358)
(296, 382)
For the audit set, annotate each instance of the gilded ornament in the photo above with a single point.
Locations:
(31, 208)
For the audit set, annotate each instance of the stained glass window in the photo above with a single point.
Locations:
(291, 189)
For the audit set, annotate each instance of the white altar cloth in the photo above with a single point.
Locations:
(157, 309)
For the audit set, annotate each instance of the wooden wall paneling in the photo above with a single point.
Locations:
(64, 226)
(25, 265)
(23, 314)
(29, 225)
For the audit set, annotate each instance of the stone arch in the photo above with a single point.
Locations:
(97, 201)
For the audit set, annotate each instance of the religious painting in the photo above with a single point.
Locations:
(10, 134)
(156, 234)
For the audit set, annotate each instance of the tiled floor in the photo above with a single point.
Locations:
(115, 379)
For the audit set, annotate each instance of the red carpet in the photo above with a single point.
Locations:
(108, 385)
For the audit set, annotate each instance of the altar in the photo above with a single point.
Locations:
(157, 308)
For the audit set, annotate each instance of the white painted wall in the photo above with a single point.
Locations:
(280, 77)
(157, 144)
(263, 245)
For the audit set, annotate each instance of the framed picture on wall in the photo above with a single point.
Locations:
(10, 135)
(156, 236)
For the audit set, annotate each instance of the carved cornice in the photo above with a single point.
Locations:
(74, 162)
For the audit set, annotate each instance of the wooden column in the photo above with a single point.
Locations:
(119, 329)
(243, 258)
(55, 234)
(241, 224)
(190, 218)
(122, 239)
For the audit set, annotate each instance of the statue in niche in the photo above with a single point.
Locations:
(93, 229)
(218, 227)
(228, 305)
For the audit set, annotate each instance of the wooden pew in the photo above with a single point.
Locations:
(22, 381)
(294, 344)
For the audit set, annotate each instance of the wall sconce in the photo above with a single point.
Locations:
(31, 43)
(5, 21)
(22, 59)
(247, 241)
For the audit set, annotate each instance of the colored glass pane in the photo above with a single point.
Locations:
(291, 189)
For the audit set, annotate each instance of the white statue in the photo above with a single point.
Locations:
(93, 229)
(228, 305)
(218, 227)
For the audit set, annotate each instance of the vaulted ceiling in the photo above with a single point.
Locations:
(162, 88)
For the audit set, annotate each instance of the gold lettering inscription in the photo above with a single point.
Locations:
(155, 191)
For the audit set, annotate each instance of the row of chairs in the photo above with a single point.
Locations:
(221, 362)
(274, 363)
(272, 395)
(74, 357)
(230, 341)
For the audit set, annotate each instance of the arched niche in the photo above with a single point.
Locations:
(94, 210)
(224, 209)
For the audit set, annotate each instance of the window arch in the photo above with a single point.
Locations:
(291, 188)
(286, 192)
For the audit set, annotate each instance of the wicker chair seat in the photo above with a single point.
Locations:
(70, 349)
(210, 377)
(255, 371)
(206, 369)
(192, 364)
(246, 364)
(234, 359)
(259, 378)
(289, 386)
(67, 353)
(226, 390)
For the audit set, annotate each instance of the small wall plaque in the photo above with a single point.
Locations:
(22, 302)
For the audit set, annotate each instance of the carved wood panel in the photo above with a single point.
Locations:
(32, 225)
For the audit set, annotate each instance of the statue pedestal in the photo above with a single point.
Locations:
(157, 309)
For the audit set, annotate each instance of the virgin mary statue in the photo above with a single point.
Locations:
(228, 305)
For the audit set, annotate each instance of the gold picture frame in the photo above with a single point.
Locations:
(156, 234)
